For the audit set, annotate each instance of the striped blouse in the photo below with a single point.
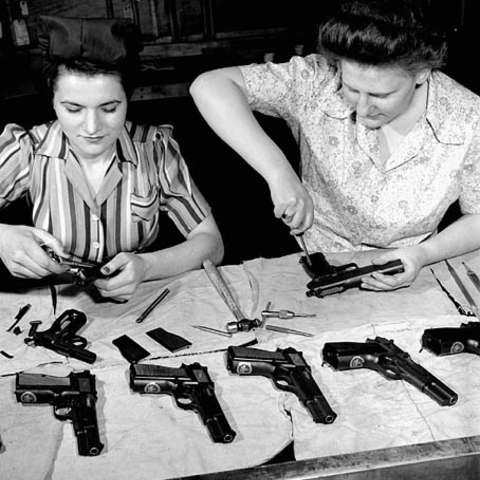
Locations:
(148, 175)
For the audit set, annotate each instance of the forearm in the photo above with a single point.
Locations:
(183, 257)
(458, 238)
(220, 98)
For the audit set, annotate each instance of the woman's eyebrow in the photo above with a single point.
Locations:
(110, 102)
(370, 93)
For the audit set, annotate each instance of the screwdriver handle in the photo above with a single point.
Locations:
(222, 288)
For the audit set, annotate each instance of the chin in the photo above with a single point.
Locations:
(372, 123)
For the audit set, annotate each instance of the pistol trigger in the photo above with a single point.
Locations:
(186, 402)
(62, 412)
(283, 383)
(347, 267)
(78, 341)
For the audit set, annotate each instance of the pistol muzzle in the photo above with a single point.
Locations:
(88, 442)
(440, 393)
(320, 410)
(220, 429)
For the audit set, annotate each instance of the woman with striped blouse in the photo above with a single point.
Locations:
(98, 183)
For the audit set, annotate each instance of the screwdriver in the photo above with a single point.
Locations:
(472, 276)
(285, 314)
(305, 250)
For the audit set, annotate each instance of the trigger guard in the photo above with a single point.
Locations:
(62, 416)
(282, 383)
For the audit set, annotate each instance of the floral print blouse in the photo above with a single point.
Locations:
(360, 202)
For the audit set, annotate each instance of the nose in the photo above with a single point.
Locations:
(91, 122)
(364, 105)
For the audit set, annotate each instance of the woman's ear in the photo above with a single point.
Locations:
(422, 76)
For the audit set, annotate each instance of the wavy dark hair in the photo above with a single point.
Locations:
(127, 72)
(398, 33)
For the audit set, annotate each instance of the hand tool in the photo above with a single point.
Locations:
(242, 324)
(472, 276)
(285, 314)
(149, 309)
(305, 250)
(213, 330)
(268, 306)
(461, 309)
(222, 288)
(462, 287)
(274, 328)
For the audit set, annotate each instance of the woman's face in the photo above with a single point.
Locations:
(91, 111)
(378, 94)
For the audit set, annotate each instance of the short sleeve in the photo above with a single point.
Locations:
(179, 195)
(281, 89)
(16, 153)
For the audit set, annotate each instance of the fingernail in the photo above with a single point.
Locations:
(105, 270)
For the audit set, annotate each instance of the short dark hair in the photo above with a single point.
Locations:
(126, 73)
(397, 33)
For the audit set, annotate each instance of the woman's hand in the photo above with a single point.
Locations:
(124, 273)
(22, 253)
(292, 203)
(413, 260)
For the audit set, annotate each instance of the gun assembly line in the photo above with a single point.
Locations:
(191, 385)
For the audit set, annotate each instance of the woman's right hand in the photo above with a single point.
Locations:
(22, 253)
(292, 203)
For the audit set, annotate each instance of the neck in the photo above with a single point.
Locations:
(95, 169)
(404, 123)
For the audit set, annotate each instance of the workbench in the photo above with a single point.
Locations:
(384, 429)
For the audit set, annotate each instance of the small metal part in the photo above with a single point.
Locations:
(292, 331)
(268, 306)
(244, 325)
(21, 313)
(34, 324)
(285, 314)
(213, 330)
(149, 309)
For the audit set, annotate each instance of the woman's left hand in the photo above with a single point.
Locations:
(124, 273)
(413, 261)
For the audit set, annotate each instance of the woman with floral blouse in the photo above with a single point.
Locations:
(388, 142)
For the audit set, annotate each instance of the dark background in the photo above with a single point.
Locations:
(239, 196)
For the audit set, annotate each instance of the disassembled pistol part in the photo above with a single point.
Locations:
(21, 313)
(149, 309)
(84, 273)
(292, 331)
(244, 325)
(285, 314)
(213, 330)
